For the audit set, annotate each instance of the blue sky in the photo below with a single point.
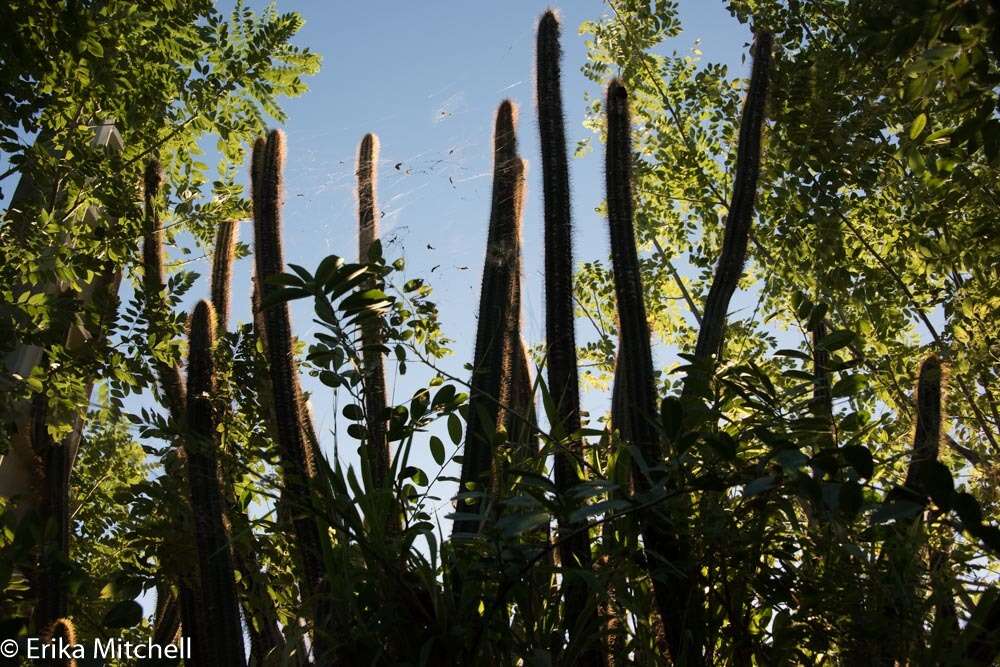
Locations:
(427, 80)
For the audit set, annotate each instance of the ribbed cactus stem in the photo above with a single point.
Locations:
(294, 444)
(222, 270)
(167, 623)
(741, 206)
(927, 434)
(376, 401)
(171, 381)
(498, 318)
(215, 560)
(635, 396)
(560, 335)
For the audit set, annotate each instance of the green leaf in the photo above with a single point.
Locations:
(671, 417)
(918, 125)
(353, 412)
(835, 340)
(437, 450)
(851, 498)
(454, 428)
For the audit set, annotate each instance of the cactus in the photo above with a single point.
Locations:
(172, 387)
(634, 396)
(741, 206)
(927, 434)
(498, 326)
(902, 560)
(521, 420)
(377, 450)
(292, 425)
(171, 382)
(822, 399)
(560, 337)
(62, 631)
(222, 270)
(518, 408)
(215, 561)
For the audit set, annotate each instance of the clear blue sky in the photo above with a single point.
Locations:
(427, 78)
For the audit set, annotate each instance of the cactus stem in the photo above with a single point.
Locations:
(215, 560)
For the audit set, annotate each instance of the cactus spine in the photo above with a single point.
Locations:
(371, 340)
(560, 336)
(295, 444)
(215, 561)
(497, 329)
(222, 270)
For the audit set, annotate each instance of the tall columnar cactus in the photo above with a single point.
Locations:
(263, 629)
(560, 336)
(903, 561)
(222, 269)
(497, 332)
(741, 206)
(635, 397)
(292, 425)
(927, 434)
(926, 448)
(376, 402)
(174, 395)
(215, 561)
(153, 283)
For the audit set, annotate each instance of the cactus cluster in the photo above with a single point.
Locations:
(207, 494)
(499, 321)
(677, 592)
(501, 410)
(293, 426)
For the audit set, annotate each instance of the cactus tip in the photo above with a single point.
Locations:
(507, 113)
(276, 141)
(202, 320)
(369, 146)
(549, 23)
